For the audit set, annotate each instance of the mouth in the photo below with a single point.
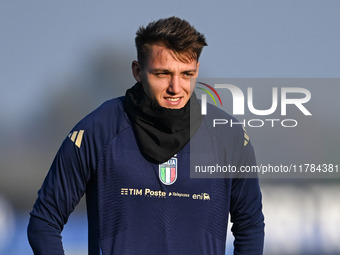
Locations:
(173, 100)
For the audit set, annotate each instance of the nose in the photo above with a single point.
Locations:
(174, 85)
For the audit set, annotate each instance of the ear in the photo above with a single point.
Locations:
(136, 71)
(198, 67)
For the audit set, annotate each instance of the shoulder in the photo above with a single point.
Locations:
(111, 111)
(222, 124)
(229, 131)
(105, 122)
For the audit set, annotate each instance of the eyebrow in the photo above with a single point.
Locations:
(167, 70)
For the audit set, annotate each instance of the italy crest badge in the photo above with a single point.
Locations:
(168, 171)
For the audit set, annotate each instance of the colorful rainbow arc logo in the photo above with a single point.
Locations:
(209, 93)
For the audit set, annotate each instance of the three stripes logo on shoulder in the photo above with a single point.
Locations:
(168, 171)
(76, 137)
(246, 137)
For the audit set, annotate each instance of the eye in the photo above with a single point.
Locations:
(188, 74)
(161, 74)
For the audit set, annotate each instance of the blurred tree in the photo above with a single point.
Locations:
(27, 152)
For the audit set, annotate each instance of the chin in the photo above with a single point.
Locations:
(173, 106)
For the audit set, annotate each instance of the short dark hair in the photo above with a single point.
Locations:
(175, 34)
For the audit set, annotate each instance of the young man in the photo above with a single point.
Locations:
(131, 157)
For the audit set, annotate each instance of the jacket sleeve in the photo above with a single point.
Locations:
(246, 208)
(61, 191)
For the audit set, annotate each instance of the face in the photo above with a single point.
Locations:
(166, 79)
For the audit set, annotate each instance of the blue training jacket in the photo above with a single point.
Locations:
(137, 207)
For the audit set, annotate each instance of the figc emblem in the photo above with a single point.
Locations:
(168, 171)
